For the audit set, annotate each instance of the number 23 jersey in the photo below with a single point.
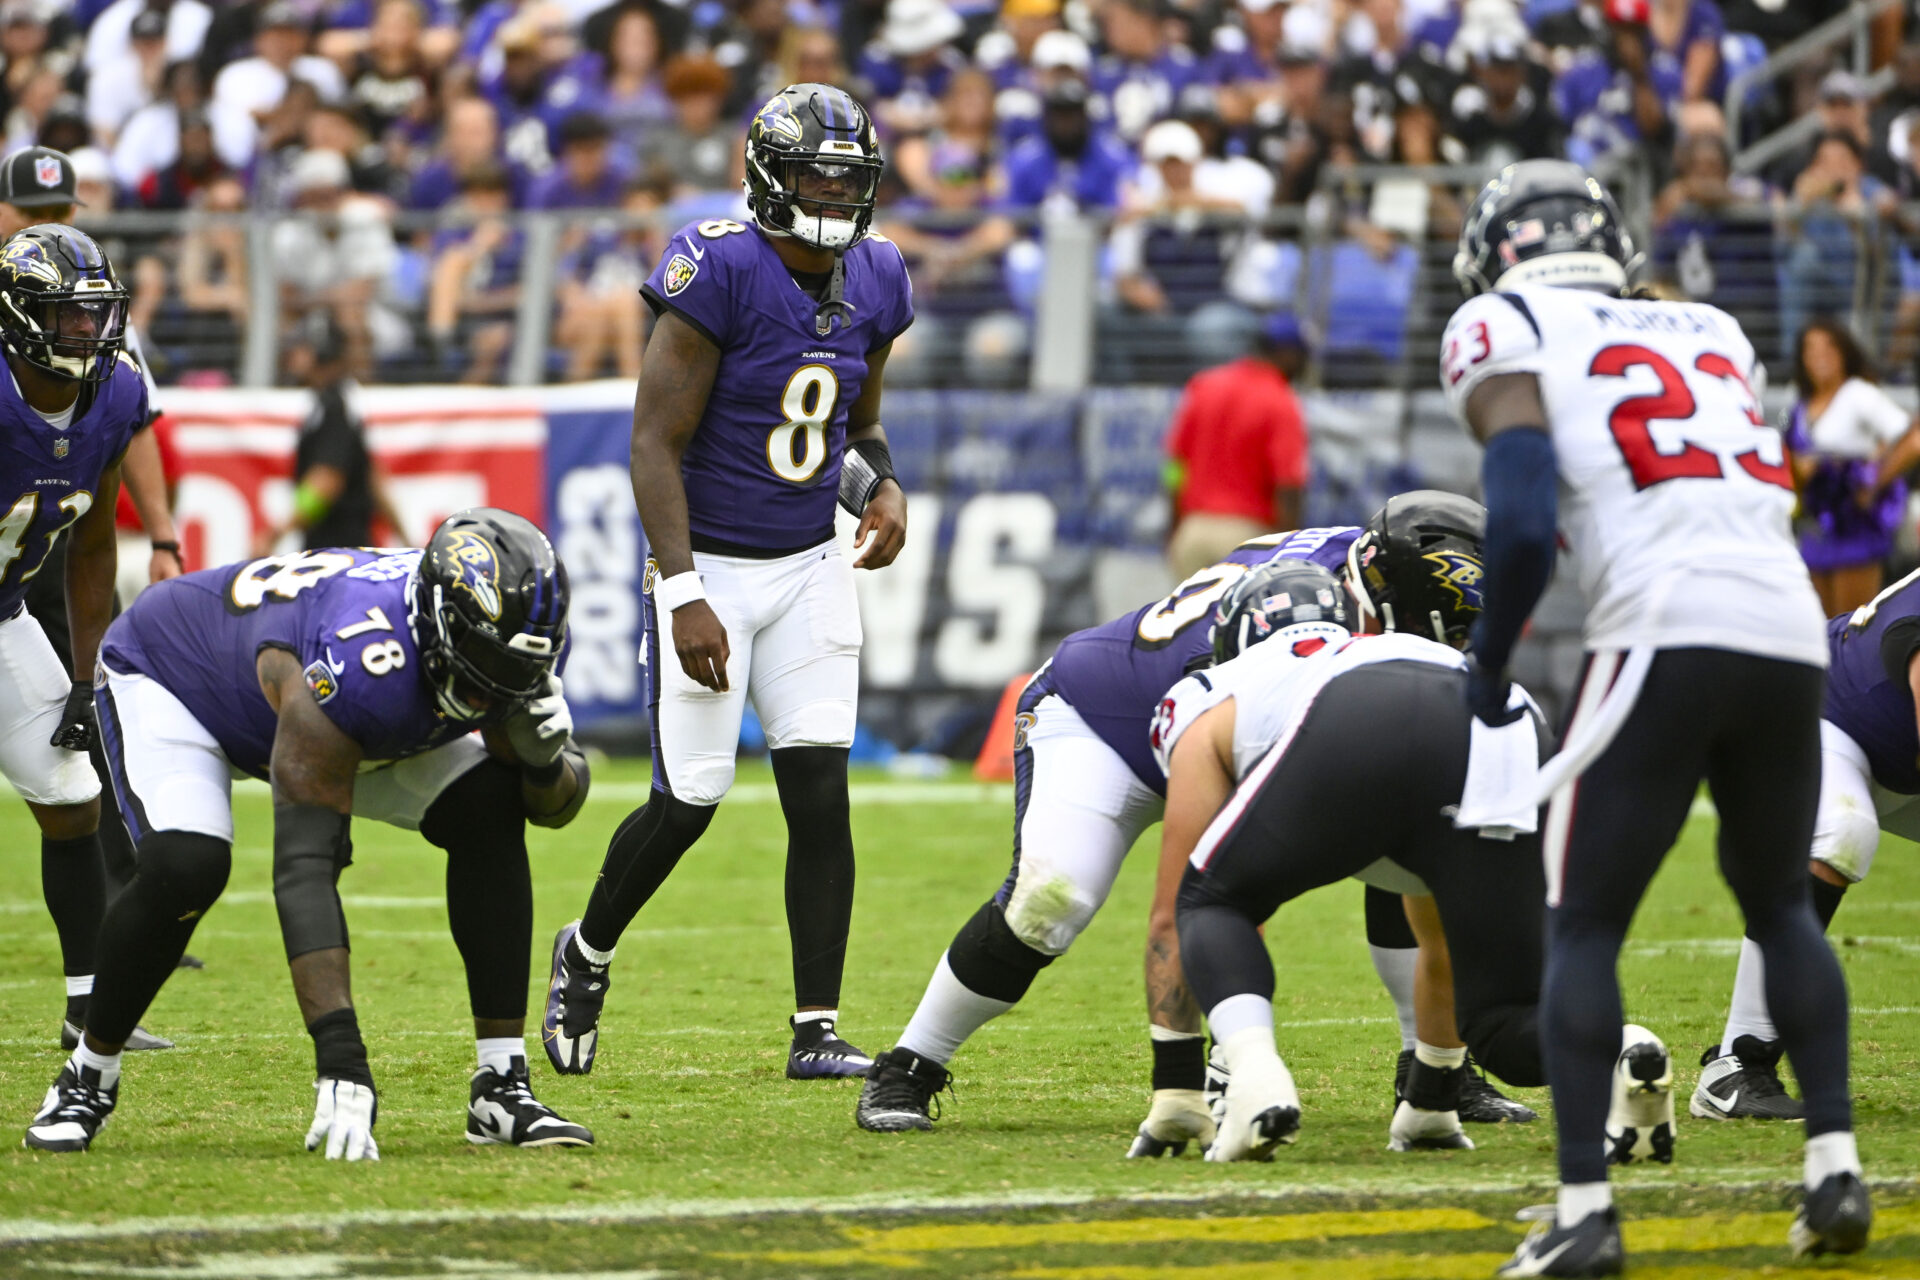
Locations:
(762, 472)
(1675, 498)
(342, 613)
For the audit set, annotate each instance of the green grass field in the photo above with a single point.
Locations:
(709, 1162)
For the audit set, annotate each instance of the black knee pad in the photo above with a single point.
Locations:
(184, 871)
(1387, 925)
(990, 960)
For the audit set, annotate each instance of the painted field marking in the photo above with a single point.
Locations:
(1464, 1266)
(866, 793)
(1274, 1229)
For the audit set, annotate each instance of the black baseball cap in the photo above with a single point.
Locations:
(38, 178)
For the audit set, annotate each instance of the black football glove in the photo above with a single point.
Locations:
(76, 721)
(1487, 694)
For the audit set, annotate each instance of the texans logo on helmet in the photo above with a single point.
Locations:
(477, 566)
(1459, 573)
(24, 258)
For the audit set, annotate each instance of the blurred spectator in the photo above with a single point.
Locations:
(26, 44)
(1851, 447)
(1834, 207)
(197, 165)
(337, 253)
(64, 127)
(1069, 162)
(32, 106)
(390, 82)
(749, 46)
(281, 140)
(1288, 136)
(1173, 257)
(110, 38)
(1683, 47)
(1606, 94)
(475, 287)
(585, 176)
(1497, 117)
(907, 67)
(247, 90)
(698, 151)
(528, 89)
(1142, 72)
(151, 139)
(471, 139)
(1243, 64)
(1713, 235)
(1058, 56)
(1374, 77)
(1775, 22)
(115, 92)
(627, 87)
(811, 55)
(353, 27)
(339, 127)
(600, 311)
(136, 254)
(210, 280)
(1237, 451)
(1006, 50)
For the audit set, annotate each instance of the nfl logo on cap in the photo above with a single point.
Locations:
(46, 171)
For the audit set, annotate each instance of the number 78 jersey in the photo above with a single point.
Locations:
(1676, 502)
(762, 472)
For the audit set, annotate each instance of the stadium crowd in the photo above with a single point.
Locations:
(1205, 134)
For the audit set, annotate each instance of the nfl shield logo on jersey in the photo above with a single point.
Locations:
(60, 447)
(46, 171)
(680, 273)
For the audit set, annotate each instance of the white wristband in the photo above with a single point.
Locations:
(681, 588)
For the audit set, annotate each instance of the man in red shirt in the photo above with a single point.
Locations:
(1237, 451)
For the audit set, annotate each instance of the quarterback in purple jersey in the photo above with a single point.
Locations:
(352, 680)
(70, 407)
(758, 410)
(1869, 783)
(1086, 786)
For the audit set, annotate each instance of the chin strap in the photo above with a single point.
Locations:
(833, 304)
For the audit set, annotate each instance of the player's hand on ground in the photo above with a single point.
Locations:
(885, 522)
(343, 1116)
(76, 720)
(537, 729)
(1178, 1116)
(701, 642)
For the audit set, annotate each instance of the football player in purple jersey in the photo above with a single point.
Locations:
(1869, 783)
(353, 681)
(758, 409)
(1086, 786)
(71, 407)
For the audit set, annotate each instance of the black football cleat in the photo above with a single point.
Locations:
(818, 1054)
(73, 1111)
(901, 1093)
(1480, 1101)
(1744, 1084)
(570, 1023)
(502, 1109)
(1590, 1247)
(1834, 1218)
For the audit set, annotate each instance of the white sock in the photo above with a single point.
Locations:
(1444, 1059)
(108, 1065)
(499, 1052)
(1158, 1033)
(949, 1012)
(1582, 1199)
(1246, 1046)
(1239, 1013)
(1395, 965)
(816, 1015)
(1831, 1153)
(587, 953)
(1747, 1015)
(80, 985)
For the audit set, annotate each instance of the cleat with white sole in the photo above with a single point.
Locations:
(570, 1023)
(1261, 1111)
(901, 1093)
(1640, 1117)
(501, 1109)
(74, 1110)
(1834, 1218)
(1590, 1247)
(1744, 1084)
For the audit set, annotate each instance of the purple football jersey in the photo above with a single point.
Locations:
(1868, 697)
(48, 478)
(762, 472)
(1115, 674)
(342, 612)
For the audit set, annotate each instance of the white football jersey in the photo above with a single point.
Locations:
(1675, 498)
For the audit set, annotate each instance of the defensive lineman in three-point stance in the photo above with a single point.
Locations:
(758, 408)
(1628, 429)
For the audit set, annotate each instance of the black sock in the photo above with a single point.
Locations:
(1180, 1064)
(1826, 899)
(480, 822)
(812, 782)
(642, 854)
(338, 1051)
(73, 880)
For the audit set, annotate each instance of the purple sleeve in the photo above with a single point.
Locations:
(901, 315)
(687, 281)
(1704, 22)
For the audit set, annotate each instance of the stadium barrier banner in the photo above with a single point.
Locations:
(1030, 515)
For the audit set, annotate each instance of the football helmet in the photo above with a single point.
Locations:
(1418, 565)
(488, 610)
(62, 308)
(1544, 222)
(808, 134)
(1295, 599)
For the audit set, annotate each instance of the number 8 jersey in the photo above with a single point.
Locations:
(762, 473)
(1676, 502)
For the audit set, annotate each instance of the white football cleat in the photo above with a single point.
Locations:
(1261, 1111)
(1640, 1119)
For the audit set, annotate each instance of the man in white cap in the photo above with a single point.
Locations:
(910, 62)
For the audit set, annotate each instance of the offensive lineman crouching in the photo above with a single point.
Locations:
(352, 679)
